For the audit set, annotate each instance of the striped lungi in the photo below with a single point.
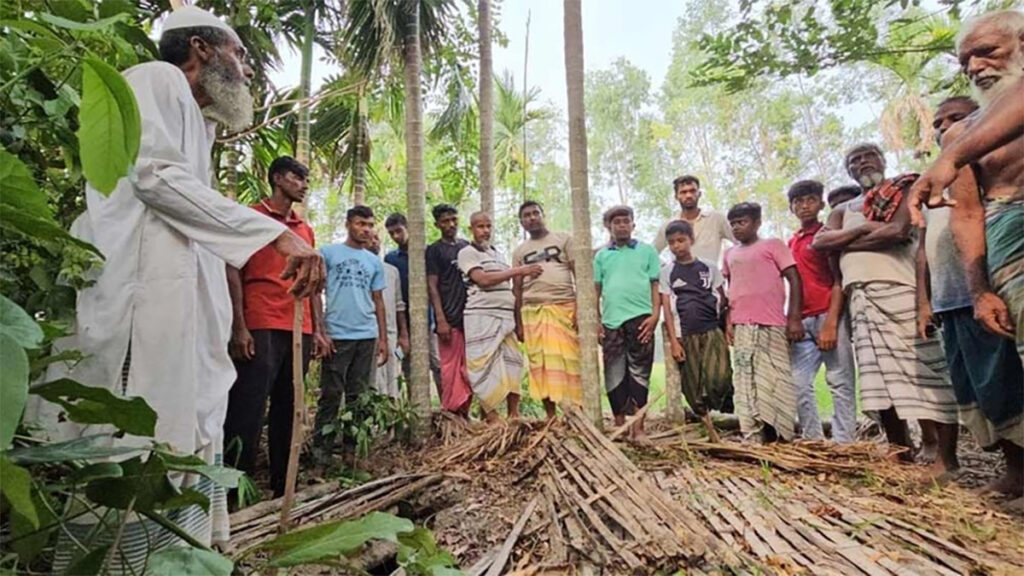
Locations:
(493, 360)
(553, 352)
(142, 537)
(763, 381)
(1004, 240)
(898, 369)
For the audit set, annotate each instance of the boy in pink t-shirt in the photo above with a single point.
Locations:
(758, 327)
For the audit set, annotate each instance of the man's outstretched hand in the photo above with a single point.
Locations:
(929, 188)
(304, 265)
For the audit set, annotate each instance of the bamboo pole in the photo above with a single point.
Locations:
(297, 417)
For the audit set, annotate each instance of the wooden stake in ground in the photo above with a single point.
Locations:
(298, 404)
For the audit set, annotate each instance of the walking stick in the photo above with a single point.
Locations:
(298, 414)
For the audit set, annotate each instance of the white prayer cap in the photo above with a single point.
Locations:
(192, 17)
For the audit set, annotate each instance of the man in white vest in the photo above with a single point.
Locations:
(156, 322)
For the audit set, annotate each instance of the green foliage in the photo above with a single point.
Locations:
(16, 486)
(110, 127)
(419, 555)
(191, 561)
(89, 405)
(326, 543)
(372, 415)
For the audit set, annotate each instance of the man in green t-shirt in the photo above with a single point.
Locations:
(626, 278)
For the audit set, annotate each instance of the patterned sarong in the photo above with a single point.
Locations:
(897, 369)
(627, 366)
(553, 352)
(764, 391)
(1004, 240)
(493, 360)
(706, 376)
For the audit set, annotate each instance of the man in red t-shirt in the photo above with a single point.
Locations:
(827, 333)
(261, 335)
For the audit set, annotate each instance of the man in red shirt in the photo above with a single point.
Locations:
(827, 333)
(261, 335)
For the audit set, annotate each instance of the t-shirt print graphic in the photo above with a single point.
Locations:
(352, 274)
(548, 254)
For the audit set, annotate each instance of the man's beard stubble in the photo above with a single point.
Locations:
(232, 105)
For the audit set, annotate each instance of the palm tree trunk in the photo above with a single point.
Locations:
(486, 86)
(586, 297)
(359, 152)
(305, 82)
(419, 386)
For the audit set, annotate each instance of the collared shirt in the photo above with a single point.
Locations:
(399, 258)
(815, 274)
(709, 229)
(625, 274)
(268, 305)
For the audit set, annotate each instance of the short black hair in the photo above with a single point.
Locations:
(283, 165)
(358, 211)
(395, 219)
(614, 211)
(750, 210)
(175, 47)
(529, 203)
(679, 227)
(959, 100)
(805, 188)
(852, 190)
(685, 179)
(441, 209)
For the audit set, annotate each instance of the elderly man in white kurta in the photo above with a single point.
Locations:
(156, 322)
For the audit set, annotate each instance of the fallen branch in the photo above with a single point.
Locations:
(506, 549)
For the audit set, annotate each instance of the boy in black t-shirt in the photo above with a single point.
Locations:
(691, 294)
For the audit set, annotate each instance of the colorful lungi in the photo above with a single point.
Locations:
(456, 393)
(1004, 240)
(553, 352)
(706, 376)
(898, 369)
(764, 391)
(987, 378)
(493, 360)
(627, 366)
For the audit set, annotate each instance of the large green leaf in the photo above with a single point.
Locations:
(17, 324)
(110, 128)
(191, 561)
(28, 541)
(16, 486)
(95, 26)
(96, 471)
(145, 487)
(43, 230)
(89, 564)
(85, 448)
(88, 405)
(20, 190)
(221, 475)
(323, 543)
(13, 387)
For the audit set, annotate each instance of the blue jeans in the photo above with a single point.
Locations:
(806, 359)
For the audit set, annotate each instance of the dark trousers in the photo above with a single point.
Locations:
(627, 366)
(267, 375)
(345, 375)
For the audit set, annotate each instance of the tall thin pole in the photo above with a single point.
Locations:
(486, 98)
(586, 295)
(526, 91)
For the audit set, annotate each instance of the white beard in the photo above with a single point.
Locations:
(232, 105)
(869, 181)
(1014, 71)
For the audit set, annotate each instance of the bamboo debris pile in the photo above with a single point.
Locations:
(811, 457)
(475, 441)
(323, 503)
(798, 527)
(600, 508)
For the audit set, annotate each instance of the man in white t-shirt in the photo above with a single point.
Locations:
(709, 227)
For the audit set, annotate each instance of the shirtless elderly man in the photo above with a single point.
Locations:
(988, 217)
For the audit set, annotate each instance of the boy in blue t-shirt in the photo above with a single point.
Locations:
(356, 323)
(691, 297)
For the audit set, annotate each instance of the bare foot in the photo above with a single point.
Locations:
(640, 436)
(1010, 484)
(938, 474)
(929, 452)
